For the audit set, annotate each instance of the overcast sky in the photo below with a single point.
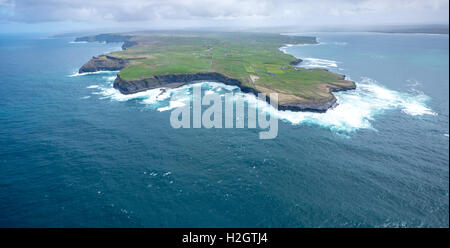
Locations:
(64, 15)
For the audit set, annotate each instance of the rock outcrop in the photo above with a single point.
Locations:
(103, 63)
(177, 80)
(287, 100)
(296, 62)
(128, 43)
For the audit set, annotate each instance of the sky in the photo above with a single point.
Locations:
(79, 15)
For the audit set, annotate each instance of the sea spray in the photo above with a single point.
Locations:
(356, 109)
(76, 74)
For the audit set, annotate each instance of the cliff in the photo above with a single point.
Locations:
(103, 63)
(296, 62)
(178, 80)
(250, 61)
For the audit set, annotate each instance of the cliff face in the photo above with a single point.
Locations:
(287, 100)
(108, 38)
(177, 80)
(103, 63)
(128, 44)
(170, 81)
(317, 106)
(296, 62)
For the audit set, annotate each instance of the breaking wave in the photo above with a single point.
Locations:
(356, 109)
(76, 74)
(310, 63)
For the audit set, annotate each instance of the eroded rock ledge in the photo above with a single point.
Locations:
(320, 102)
(106, 62)
(103, 63)
(178, 80)
(296, 62)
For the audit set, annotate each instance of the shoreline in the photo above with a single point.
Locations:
(177, 80)
(106, 62)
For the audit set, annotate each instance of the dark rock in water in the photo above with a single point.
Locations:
(296, 62)
(319, 107)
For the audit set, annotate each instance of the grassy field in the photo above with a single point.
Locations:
(252, 58)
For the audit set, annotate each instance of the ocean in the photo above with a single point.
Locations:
(76, 153)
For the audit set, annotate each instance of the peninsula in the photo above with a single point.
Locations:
(251, 61)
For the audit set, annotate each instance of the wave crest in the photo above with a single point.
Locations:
(310, 63)
(76, 74)
(356, 109)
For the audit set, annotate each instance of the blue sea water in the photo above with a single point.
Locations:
(75, 153)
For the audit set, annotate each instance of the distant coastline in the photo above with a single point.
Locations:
(427, 29)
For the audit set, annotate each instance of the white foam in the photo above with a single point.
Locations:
(110, 78)
(172, 105)
(78, 42)
(356, 109)
(311, 63)
(339, 43)
(328, 43)
(76, 74)
(153, 97)
(413, 82)
(318, 63)
(286, 46)
(319, 43)
(113, 94)
(217, 87)
(416, 108)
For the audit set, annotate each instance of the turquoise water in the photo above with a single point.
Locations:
(75, 153)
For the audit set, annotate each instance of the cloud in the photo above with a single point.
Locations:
(307, 12)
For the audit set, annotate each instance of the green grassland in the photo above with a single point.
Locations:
(252, 58)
